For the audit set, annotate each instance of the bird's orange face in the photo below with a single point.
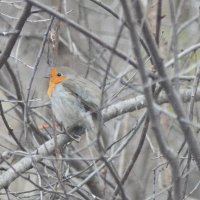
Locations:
(55, 79)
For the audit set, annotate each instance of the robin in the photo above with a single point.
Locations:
(75, 101)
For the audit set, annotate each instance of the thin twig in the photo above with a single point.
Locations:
(153, 115)
(183, 53)
(113, 173)
(135, 156)
(158, 21)
(13, 38)
(83, 31)
(38, 58)
(174, 98)
(174, 42)
(10, 130)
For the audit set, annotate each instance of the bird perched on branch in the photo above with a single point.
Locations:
(74, 100)
(75, 103)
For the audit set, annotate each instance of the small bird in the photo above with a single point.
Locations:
(75, 104)
(74, 100)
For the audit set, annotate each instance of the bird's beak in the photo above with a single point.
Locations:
(48, 76)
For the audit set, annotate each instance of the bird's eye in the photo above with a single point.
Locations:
(59, 74)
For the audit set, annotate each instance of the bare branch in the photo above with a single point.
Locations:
(26, 163)
(13, 38)
(83, 31)
(170, 91)
(153, 115)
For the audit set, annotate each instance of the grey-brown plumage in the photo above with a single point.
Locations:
(75, 101)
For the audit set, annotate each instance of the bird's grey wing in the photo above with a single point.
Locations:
(87, 92)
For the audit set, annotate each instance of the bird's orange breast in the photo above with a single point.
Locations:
(51, 88)
(55, 79)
